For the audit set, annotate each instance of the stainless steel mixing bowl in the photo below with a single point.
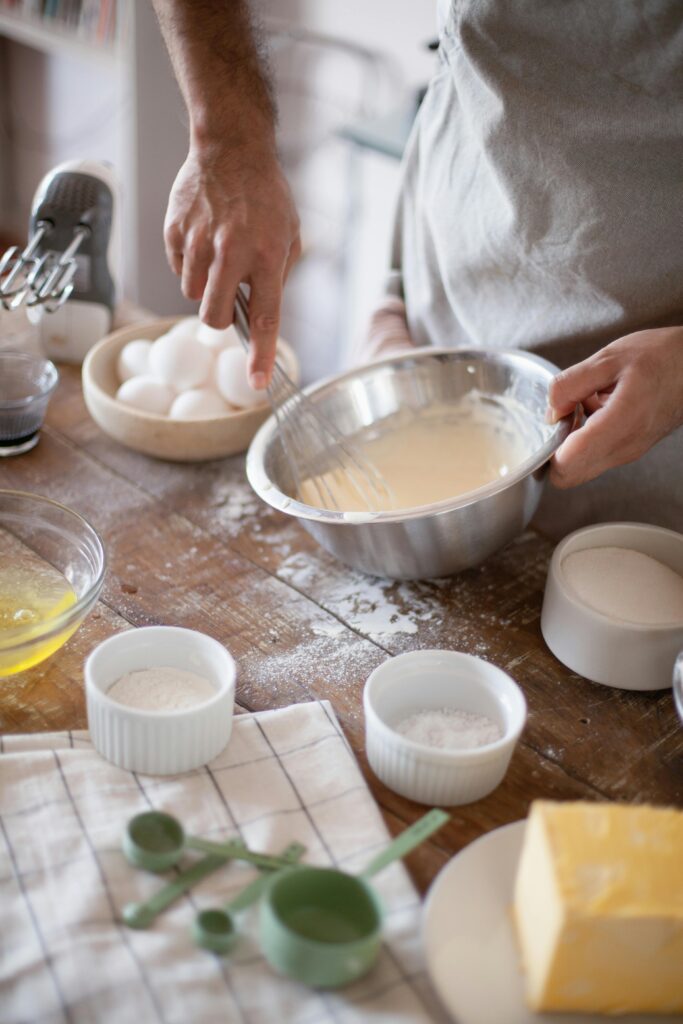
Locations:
(432, 540)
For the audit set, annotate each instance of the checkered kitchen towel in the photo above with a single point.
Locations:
(64, 957)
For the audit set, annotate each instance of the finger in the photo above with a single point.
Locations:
(218, 304)
(606, 439)
(197, 256)
(578, 382)
(264, 320)
(595, 402)
(388, 331)
(173, 244)
(175, 260)
(293, 257)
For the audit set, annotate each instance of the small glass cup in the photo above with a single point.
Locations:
(26, 386)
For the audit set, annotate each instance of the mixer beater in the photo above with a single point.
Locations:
(32, 280)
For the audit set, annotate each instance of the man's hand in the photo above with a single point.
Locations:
(231, 218)
(632, 394)
(387, 333)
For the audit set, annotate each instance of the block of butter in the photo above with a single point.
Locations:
(598, 908)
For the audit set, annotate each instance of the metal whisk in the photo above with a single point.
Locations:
(47, 280)
(303, 430)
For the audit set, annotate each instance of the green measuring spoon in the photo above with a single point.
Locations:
(323, 927)
(155, 841)
(141, 915)
(215, 928)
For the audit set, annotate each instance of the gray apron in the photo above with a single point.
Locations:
(542, 203)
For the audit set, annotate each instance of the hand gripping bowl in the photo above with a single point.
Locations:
(430, 540)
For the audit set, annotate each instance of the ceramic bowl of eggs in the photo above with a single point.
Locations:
(177, 389)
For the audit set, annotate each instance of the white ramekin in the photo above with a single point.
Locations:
(432, 680)
(159, 742)
(626, 655)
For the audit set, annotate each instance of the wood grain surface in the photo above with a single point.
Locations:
(191, 545)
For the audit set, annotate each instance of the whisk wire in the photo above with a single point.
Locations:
(369, 484)
(302, 427)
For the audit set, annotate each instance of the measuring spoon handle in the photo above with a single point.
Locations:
(408, 839)
(141, 915)
(253, 892)
(236, 850)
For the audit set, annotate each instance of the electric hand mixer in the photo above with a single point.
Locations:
(68, 257)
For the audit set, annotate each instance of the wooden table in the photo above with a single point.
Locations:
(191, 545)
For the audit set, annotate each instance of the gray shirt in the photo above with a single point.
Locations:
(542, 206)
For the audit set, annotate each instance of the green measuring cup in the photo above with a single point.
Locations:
(155, 841)
(323, 927)
(215, 928)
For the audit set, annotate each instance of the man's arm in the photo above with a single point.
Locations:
(230, 214)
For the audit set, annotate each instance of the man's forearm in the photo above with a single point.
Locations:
(221, 69)
(231, 217)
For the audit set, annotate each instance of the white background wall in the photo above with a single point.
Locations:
(397, 28)
(54, 109)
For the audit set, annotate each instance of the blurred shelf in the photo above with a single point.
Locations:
(50, 36)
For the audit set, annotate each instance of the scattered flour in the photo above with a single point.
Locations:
(328, 627)
(281, 541)
(335, 661)
(233, 502)
(371, 606)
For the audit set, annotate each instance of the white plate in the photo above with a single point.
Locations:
(470, 947)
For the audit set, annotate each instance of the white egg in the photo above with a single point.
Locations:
(231, 380)
(147, 394)
(133, 359)
(217, 338)
(198, 404)
(181, 361)
(187, 327)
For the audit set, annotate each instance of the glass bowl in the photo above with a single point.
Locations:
(51, 573)
(678, 685)
(26, 386)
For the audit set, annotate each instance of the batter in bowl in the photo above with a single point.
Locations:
(433, 454)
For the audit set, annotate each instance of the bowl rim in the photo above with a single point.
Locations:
(452, 756)
(47, 365)
(568, 594)
(111, 340)
(273, 496)
(11, 639)
(95, 691)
